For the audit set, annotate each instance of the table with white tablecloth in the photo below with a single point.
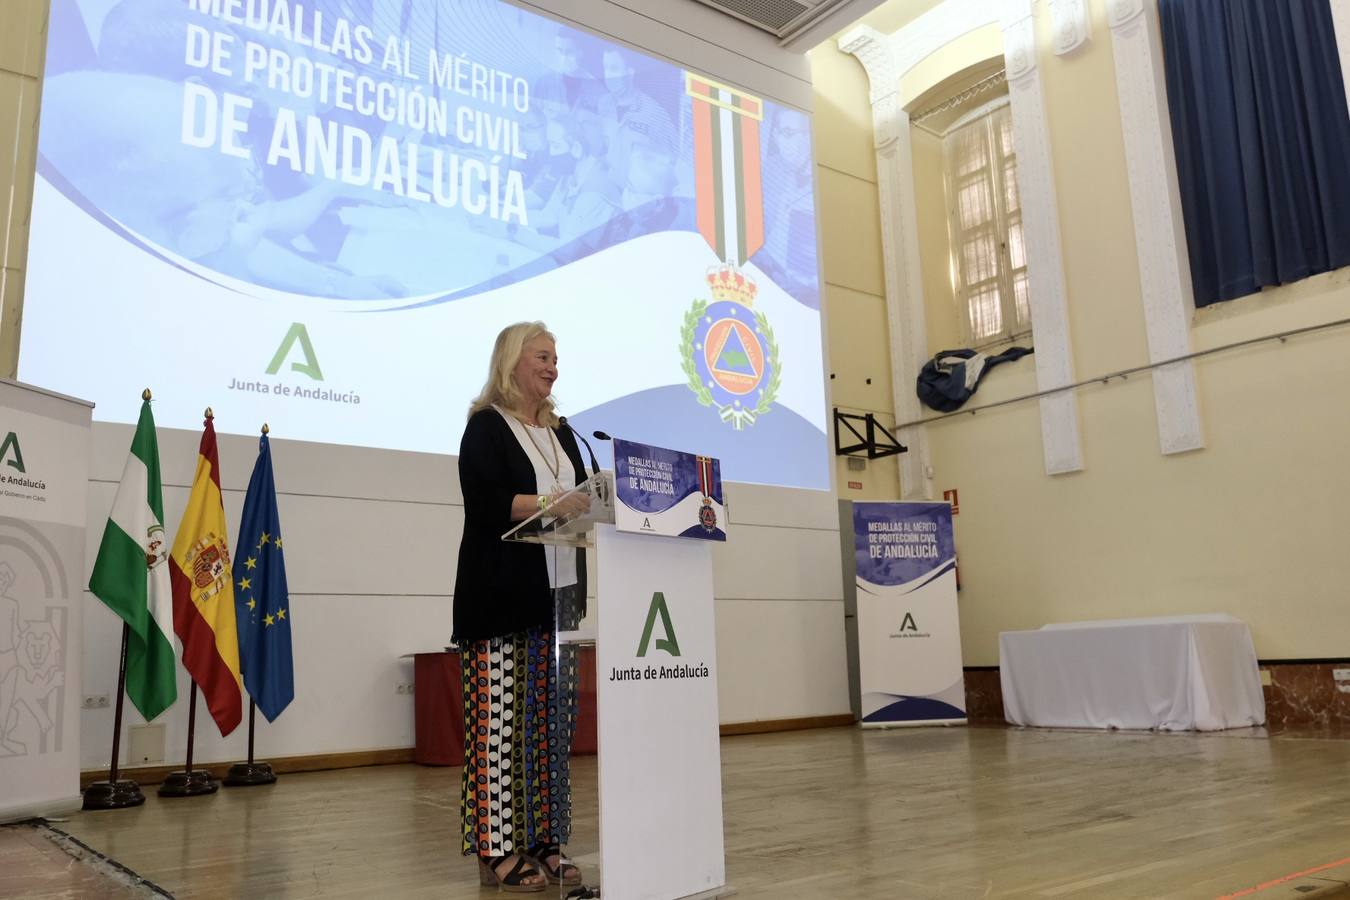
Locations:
(1176, 673)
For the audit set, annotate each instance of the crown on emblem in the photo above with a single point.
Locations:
(727, 282)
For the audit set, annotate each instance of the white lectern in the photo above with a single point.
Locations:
(659, 764)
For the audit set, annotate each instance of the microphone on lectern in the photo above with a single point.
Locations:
(595, 466)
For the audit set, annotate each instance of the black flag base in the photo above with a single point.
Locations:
(121, 794)
(188, 784)
(250, 773)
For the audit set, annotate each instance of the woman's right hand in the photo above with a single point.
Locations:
(561, 504)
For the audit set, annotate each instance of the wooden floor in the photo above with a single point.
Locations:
(34, 864)
(831, 813)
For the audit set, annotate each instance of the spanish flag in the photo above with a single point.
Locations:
(203, 591)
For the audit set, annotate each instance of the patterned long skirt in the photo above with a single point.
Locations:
(518, 726)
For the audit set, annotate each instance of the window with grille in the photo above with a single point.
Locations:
(989, 260)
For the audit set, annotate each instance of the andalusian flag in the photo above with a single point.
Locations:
(131, 574)
(262, 603)
(203, 593)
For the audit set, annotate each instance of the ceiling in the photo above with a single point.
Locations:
(798, 24)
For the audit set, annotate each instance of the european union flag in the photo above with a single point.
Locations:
(262, 608)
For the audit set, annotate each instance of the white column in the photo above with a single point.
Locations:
(1060, 439)
(1159, 229)
(900, 250)
(1072, 24)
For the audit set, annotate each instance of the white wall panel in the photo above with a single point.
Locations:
(301, 467)
(760, 563)
(780, 660)
(758, 504)
(347, 665)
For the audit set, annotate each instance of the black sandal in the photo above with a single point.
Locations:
(512, 882)
(563, 873)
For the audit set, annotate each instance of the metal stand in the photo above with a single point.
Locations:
(190, 782)
(250, 773)
(115, 793)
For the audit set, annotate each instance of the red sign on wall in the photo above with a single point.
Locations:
(855, 485)
(950, 497)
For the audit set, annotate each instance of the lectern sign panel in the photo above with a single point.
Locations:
(660, 761)
(668, 492)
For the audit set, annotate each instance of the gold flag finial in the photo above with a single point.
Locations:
(209, 414)
(145, 394)
(265, 428)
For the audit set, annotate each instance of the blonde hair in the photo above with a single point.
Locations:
(501, 388)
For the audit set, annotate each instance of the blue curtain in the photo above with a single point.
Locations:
(1262, 138)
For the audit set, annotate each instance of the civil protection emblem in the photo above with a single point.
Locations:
(730, 355)
(727, 348)
(707, 516)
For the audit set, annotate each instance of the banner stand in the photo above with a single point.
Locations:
(902, 625)
(44, 492)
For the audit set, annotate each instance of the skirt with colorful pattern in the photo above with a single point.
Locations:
(519, 718)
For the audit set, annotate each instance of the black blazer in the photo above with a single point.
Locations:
(502, 587)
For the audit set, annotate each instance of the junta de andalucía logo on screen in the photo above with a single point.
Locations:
(294, 367)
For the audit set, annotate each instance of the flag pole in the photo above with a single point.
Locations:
(114, 793)
(247, 774)
(192, 726)
(189, 782)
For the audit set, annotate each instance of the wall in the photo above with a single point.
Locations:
(846, 187)
(1251, 525)
(22, 27)
(372, 535)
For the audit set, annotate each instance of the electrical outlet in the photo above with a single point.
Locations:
(95, 701)
(403, 687)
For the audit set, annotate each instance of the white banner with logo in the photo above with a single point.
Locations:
(44, 473)
(660, 760)
(909, 632)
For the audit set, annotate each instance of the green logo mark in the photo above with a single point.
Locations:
(667, 643)
(12, 443)
(310, 366)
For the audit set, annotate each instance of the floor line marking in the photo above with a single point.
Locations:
(1270, 884)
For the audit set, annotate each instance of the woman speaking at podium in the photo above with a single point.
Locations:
(516, 459)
